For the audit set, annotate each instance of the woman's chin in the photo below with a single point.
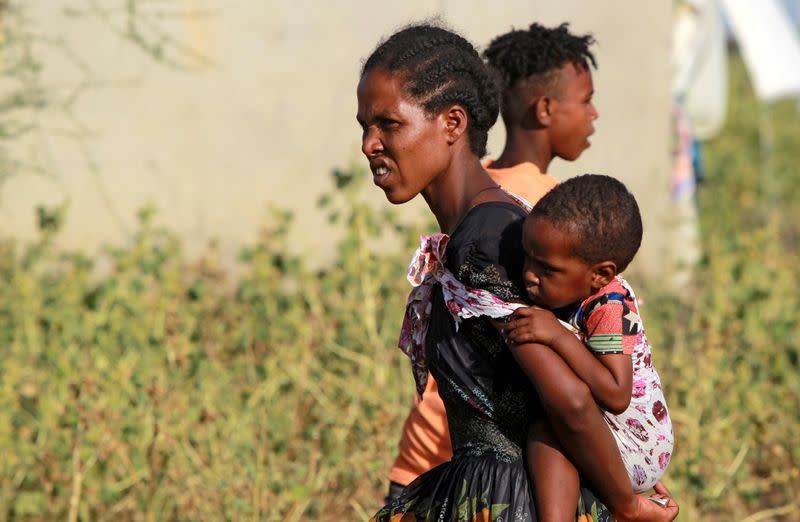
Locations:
(397, 197)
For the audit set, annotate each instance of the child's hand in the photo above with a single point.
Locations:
(532, 325)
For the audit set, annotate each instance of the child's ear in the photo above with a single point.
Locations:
(543, 110)
(602, 274)
(455, 119)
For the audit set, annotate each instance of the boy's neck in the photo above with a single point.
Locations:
(524, 146)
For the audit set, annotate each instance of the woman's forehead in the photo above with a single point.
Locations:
(379, 83)
(381, 91)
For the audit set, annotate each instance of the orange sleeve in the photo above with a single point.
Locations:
(425, 441)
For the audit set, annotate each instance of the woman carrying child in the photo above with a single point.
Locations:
(425, 105)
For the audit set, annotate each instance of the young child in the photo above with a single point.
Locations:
(577, 239)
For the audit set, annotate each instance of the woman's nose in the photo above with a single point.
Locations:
(370, 142)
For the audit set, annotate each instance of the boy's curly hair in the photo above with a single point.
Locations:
(537, 51)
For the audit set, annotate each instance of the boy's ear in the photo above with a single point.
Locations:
(602, 274)
(542, 108)
(455, 120)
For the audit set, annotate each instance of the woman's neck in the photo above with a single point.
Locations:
(451, 194)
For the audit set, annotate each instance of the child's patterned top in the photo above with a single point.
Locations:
(608, 322)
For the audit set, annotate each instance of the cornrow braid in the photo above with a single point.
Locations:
(599, 213)
(519, 54)
(440, 68)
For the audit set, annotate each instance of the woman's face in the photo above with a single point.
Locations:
(406, 148)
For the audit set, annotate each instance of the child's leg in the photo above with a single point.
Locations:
(555, 480)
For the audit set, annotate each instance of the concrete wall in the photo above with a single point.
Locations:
(273, 110)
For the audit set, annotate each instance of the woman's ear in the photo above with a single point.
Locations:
(456, 121)
(602, 274)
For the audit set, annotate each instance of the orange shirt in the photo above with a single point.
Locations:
(425, 441)
(523, 180)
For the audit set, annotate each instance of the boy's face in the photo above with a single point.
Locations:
(553, 275)
(572, 112)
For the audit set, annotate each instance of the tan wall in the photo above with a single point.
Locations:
(274, 112)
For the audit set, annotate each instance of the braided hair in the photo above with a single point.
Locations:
(518, 54)
(599, 213)
(440, 68)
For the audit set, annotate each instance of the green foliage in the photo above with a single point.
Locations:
(729, 349)
(139, 385)
(153, 387)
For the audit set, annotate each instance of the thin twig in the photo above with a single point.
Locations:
(768, 514)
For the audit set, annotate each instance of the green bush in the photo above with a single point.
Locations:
(159, 390)
(732, 370)
(139, 385)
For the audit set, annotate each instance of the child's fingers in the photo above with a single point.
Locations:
(522, 312)
(511, 334)
(513, 324)
(521, 336)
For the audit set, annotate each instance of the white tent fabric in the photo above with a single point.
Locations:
(700, 72)
(770, 46)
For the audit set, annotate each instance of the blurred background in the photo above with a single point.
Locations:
(201, 291)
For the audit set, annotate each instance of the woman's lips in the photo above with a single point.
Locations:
(380, 175)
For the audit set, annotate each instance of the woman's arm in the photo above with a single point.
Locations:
(609, 377)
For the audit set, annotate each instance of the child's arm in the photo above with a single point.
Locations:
(609, 377)
(583, 433)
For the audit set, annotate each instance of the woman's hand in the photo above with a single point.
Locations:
(647, 510)
(532, 325)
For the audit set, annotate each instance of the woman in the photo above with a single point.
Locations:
(425, 105)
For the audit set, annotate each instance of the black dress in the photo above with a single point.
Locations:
(489, 400)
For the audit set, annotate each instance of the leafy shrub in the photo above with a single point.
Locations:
(159, 389)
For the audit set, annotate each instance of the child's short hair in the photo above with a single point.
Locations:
(600, 213)
(537, 51)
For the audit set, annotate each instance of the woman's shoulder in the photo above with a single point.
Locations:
(487, 245)
(489, 218)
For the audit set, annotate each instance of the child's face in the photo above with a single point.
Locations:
(573, 113)
(553, 275)
(406, 147)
